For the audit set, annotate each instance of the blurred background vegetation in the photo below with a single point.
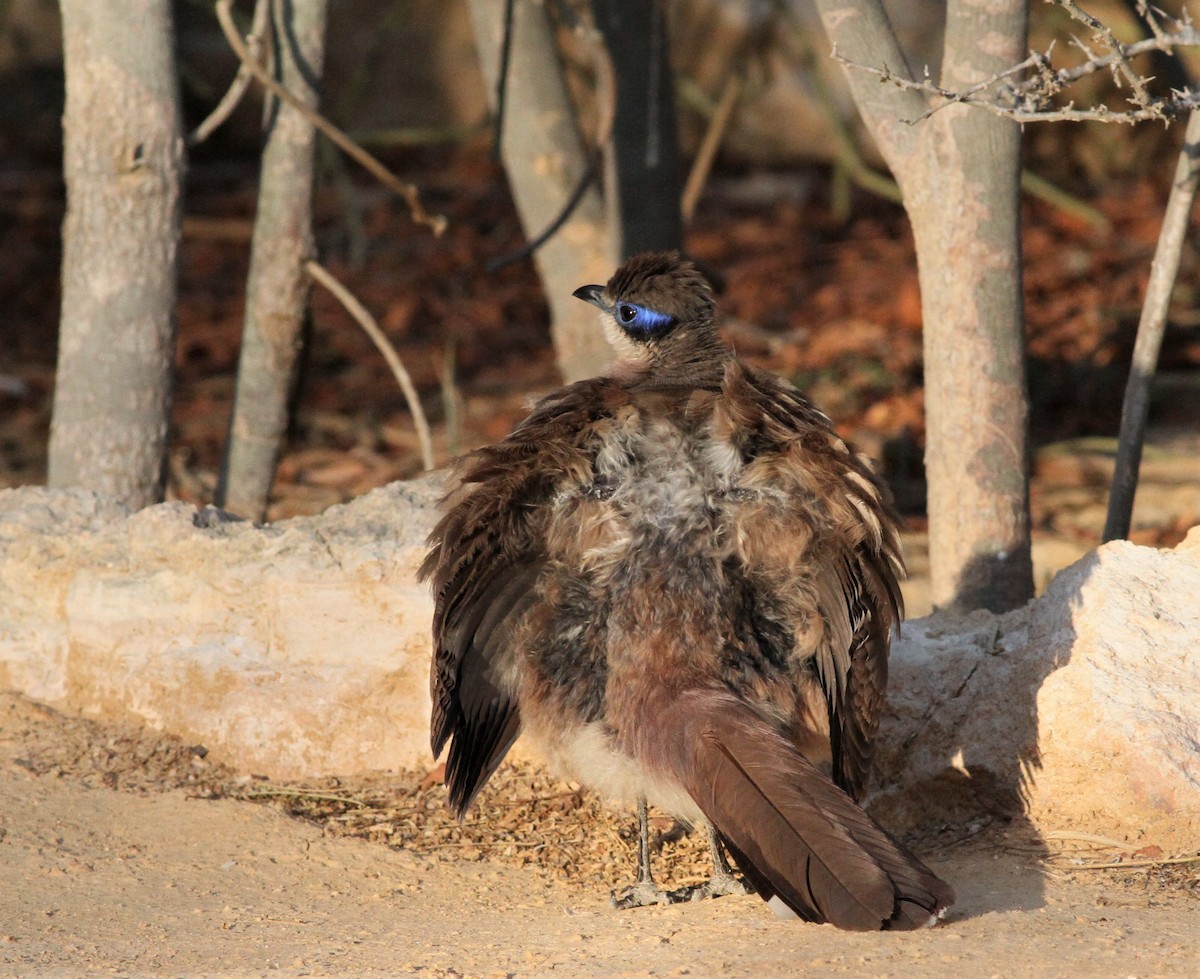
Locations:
(816, 260)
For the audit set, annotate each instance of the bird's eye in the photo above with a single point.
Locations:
(638, 321)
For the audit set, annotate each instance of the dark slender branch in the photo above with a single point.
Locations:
(531, 246)
(502, 77)
(606, 102)
(1151, 326)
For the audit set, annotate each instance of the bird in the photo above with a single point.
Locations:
(680, 582)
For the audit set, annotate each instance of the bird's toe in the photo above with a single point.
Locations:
(643, 894)
(721, 885)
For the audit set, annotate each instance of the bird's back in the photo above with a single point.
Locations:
(687, 555)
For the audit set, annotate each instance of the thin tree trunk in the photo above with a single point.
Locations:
(545, 159)
(958, 171)
(123, 163)
(277, 287)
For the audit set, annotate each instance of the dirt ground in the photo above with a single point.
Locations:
(103, 870)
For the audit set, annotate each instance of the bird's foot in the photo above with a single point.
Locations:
(721, 885)
(642, 894)
(645, 893)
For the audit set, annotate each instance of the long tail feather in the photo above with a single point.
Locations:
(793, 832)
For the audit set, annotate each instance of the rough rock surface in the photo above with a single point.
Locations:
(291, 649)
(1081, 709)
(301, 648)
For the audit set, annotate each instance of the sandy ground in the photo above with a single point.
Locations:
(96, 880)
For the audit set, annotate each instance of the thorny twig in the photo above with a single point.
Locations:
(1025, 92)
(1121, 68)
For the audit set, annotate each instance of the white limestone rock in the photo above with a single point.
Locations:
(292, 649)
(1082, 709)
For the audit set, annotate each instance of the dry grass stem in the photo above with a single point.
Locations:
(1133, 864)
(384, 346)
(283, 792)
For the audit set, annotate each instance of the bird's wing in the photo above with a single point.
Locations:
(486, 554)
(852, 574)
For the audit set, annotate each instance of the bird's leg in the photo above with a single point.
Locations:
(643, 891)
(724, 881)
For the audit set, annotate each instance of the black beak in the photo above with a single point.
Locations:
(593, 295)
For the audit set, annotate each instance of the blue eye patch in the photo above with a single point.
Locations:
(634, 318)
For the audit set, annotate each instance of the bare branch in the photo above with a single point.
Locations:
(1185, 36)
(731, 92)
(409, 192)
(379, 338)
(927, 87)
(1120, 57)
(1147, 13)
(241, 81)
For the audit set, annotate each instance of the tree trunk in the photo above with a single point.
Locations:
(959, 173)
(545, 158)
(643, 182)
(277, 287)
(966, 219)
(123, 161)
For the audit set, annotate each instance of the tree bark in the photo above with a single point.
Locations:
(123, 162)
(959, 173)
(545, 158)
(966, 220)
(277, 287)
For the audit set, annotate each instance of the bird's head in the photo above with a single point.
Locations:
(658, 310)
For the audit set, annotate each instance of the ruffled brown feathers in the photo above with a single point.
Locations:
(684, 582)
